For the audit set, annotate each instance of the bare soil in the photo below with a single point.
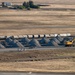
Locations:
(20, 22)
(42, 1)
(10, 61)
(42, 54)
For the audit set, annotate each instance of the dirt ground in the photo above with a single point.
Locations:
(42, 54)
(43, 1)
(60, 61)
(19, 22)
(40, 66)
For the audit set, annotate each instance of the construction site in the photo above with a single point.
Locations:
(37, 40)
(24, 42)
(32, 53)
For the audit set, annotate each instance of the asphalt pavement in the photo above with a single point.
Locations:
(42, 48)
(30, 73)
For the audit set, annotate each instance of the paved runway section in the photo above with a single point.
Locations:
(35, 74)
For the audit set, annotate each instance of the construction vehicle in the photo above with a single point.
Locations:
(70, 43)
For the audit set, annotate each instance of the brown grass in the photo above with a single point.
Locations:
(17, 22)
(39, 66)
(44, 1)
(37, 31)
(55, 54)
(52, 65)
(14, 22)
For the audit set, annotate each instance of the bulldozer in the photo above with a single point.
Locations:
(70, 43)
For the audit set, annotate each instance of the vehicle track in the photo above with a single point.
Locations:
(41, 59)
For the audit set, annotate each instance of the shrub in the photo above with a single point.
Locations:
(36, 6)
(28, 8)
(24, 4)
(21, 7)
(31, 4)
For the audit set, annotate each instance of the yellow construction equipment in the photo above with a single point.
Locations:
(70, 43)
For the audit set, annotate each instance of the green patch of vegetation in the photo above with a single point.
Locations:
(21, 7)
(26, 5)
(30, 4)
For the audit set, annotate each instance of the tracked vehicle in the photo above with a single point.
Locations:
(70, 43)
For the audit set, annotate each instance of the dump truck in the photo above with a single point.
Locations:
(70, 43)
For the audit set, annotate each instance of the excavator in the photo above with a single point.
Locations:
(70, 43)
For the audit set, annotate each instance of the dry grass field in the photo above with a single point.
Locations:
(60, 61)
(19, 22)
(40, 66)
(43, 1)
